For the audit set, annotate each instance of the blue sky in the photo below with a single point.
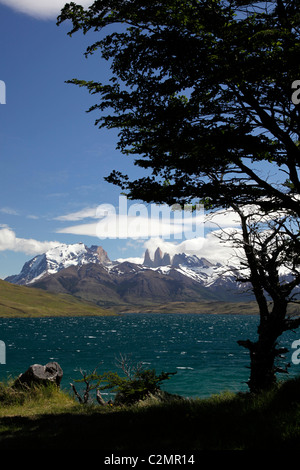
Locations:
(53, 157)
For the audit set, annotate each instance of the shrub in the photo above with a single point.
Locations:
(137, 387)
(136, 384)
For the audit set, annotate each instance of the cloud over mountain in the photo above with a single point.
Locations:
(29, 246)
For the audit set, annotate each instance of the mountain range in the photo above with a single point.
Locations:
(88, 274)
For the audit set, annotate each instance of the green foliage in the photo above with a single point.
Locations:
(132, 389)
(199, 91)
(91, 380)
(135, 384)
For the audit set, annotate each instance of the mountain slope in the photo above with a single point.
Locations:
(21, 301)
(127, 283)
(88, 274)
(59, 258)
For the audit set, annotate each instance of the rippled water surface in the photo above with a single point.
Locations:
(202, 349)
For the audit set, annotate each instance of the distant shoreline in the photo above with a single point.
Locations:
(197, 308)
(25, 302)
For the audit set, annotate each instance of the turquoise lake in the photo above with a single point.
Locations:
(201, 349)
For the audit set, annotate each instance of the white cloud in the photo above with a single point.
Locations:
(210, 247)
(142, 221)
(223, 243)
(138, 227)
(134, 221)
(9, 241)
(158, 224)
(8, 211)
(86, 213)
(41, 9)
(222, 218)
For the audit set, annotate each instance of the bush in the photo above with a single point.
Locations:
(135, 388)
(136, 384)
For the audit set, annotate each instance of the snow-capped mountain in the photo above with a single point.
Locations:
(201, 270)
(89, 274)
(58, 258)
(68, 268)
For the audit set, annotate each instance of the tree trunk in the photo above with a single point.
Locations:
(264, 278)
(264, 351)
(262, 358)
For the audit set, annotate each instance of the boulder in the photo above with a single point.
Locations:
(38, 374)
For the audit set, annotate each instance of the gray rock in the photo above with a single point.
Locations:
(38, 374)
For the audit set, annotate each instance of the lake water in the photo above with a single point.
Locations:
(201, 349)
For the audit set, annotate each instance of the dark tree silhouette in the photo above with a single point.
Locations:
(201, 93)
(271, 267)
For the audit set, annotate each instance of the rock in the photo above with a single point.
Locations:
(147, 259)
(159, 259)
(38, 374)
(158, 256)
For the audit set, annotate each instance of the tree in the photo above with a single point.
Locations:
(92, 381)
(201, 92)
(271, 244)
(134, 385)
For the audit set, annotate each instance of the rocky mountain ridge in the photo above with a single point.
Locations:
(58, 258)
(165, 259)
(89, 274)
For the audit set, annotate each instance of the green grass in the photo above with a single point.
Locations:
(21, 301)
(52, 419)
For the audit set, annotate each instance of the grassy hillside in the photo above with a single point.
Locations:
(21, 301)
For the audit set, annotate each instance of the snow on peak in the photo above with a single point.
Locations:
(64, 256)
(60, 257)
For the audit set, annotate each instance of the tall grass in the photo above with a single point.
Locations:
(32, 401)
(50, 418)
